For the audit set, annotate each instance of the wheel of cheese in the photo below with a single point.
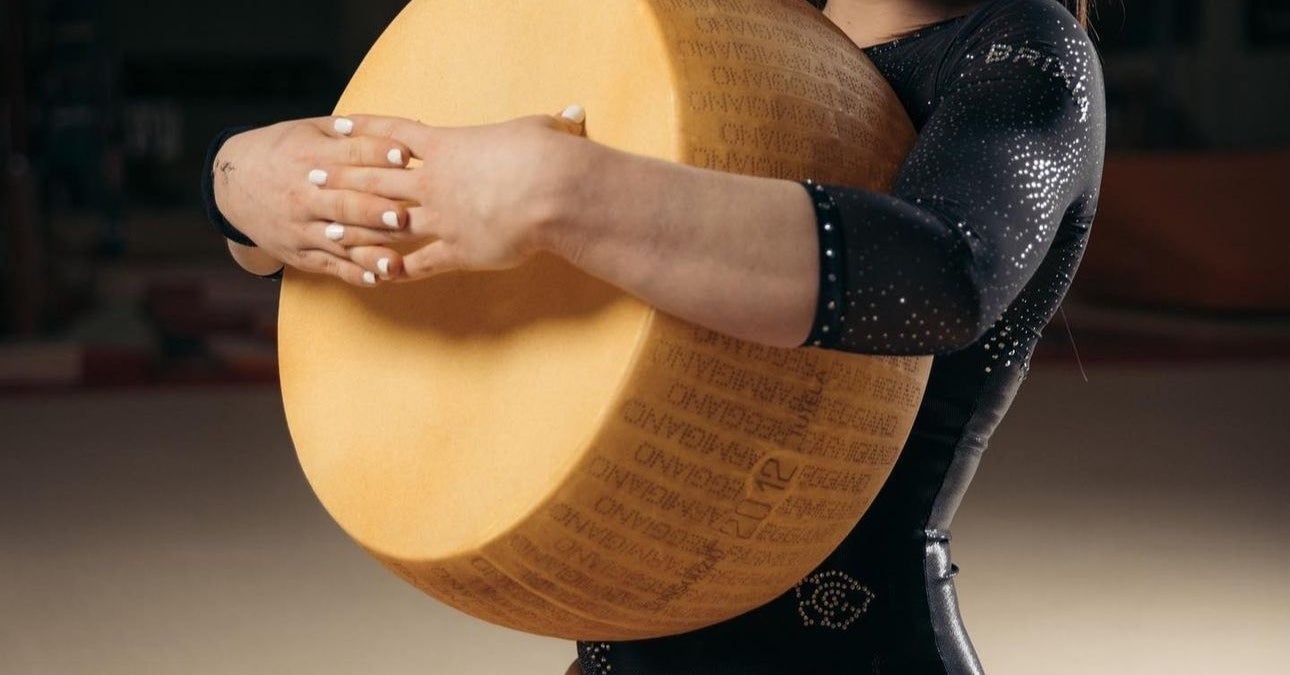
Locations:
(538, 448)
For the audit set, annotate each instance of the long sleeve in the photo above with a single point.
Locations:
(1011, 149)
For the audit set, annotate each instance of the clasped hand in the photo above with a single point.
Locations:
(370, 199)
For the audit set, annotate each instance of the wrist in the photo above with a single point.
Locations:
(216, 176)
(253, 260)
(568, 198)
(223, 168)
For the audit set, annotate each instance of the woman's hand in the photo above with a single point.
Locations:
(269, 183)
(482, 194)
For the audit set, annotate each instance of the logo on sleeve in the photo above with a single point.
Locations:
(1073, 69)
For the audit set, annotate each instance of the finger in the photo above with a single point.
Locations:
(575, 668)
(422, 222)
(336, 237)
(366, 151)
(429, 260)
(573, 119)
(335, 126)
(391, 183)
(385, 262)
(412, 134)
(324, 262)
(316, 236)
(358, 209)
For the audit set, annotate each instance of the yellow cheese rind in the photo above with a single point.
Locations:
(541, 450)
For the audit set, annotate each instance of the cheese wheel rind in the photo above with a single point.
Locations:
(541, 450)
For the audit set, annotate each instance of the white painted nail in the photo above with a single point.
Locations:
(343, 126)
(391, 219)
(335, 232)
(318, 177)
(395, 156)
(369, 278)
(575, 114)
(384, 265)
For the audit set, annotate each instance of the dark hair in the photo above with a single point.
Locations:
(1077, 7)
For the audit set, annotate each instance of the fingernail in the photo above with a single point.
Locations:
(318, 177)
(384, 265)
(391, 219)
(575, 114)
(369, 278)
(395, 156)
(344, 126)
(335, 232)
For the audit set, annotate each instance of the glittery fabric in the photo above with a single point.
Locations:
(968, 259)
(829, 307)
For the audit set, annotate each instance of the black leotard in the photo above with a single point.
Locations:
(968, 259)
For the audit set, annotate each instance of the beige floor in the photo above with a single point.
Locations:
(1133, 524)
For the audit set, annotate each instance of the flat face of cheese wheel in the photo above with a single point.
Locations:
(541, 450)
(464, 397)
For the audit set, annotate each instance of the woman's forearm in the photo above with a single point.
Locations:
(736, 254)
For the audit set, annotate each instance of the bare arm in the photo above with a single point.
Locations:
(736, 254)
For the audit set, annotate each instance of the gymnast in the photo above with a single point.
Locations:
(967, 259)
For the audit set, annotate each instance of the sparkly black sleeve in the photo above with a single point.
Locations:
(1002, 159)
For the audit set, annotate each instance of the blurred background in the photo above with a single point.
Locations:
(1129, 517)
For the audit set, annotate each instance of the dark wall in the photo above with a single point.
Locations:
(175, 73)
(1180, 72)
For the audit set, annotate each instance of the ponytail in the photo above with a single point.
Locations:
(1077, 7)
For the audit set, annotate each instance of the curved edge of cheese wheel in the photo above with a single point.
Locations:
(655, 37)
(477, 588)
(531, 587)
(587, 628)
(652, 37)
